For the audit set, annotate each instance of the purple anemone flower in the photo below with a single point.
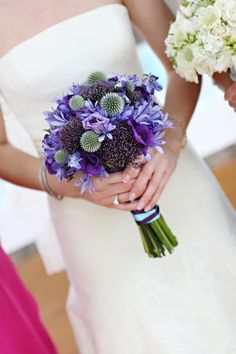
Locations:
(142, 133)
(90, 165)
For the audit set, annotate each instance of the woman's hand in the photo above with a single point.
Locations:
(154, 175)
(105, 190)
(225, 83)
(222, 80)
(230, 95)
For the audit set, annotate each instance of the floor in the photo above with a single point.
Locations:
(50, 291)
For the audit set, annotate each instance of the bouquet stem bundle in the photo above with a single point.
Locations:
(156, 235)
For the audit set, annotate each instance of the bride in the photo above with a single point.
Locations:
(121, 301)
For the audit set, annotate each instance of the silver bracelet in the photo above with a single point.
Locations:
(45, 185)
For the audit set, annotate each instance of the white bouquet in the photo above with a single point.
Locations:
(202, 40)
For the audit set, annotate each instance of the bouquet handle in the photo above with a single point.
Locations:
(155, 234)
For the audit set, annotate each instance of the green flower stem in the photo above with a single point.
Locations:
(152, 239)
(167, 231)
(145, 244)
(148, 241)
(157, 239)
(158, 230)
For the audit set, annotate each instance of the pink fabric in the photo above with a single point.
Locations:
(21, 330)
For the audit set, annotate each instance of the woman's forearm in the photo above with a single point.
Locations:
(19, 167)
(180, 103)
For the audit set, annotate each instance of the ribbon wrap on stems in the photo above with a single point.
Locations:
(156, 235)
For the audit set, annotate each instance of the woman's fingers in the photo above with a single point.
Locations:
(230, 95)
(123, 197)
(129, 173)
(102, 183)
(126, 206)
(231, 92)
(124, 203)
(111, 191)
(232, 102)
(152, 187)
(156, 196)
(142, 181)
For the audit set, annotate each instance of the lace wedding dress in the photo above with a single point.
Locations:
(122, 302)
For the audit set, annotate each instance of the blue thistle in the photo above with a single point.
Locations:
(96, 76)
(90, 141)
(76, 102)
(61, 156)
(112, 103)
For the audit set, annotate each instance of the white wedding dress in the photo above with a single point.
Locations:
(122, 302)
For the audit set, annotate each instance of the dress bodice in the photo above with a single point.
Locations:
(44, 66)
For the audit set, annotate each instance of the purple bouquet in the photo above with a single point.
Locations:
(103, 126)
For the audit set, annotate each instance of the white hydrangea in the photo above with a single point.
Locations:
(188, 11)
(207, 17)
(228, 10)
(202, 40)
(234, 60)
(210, 42)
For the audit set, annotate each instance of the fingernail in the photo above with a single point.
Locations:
(132, 197)
(148, 208)
(126, 179)
(140, 206)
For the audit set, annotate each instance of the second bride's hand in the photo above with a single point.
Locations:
(225, 83)
(154, 174)
(230, 95)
